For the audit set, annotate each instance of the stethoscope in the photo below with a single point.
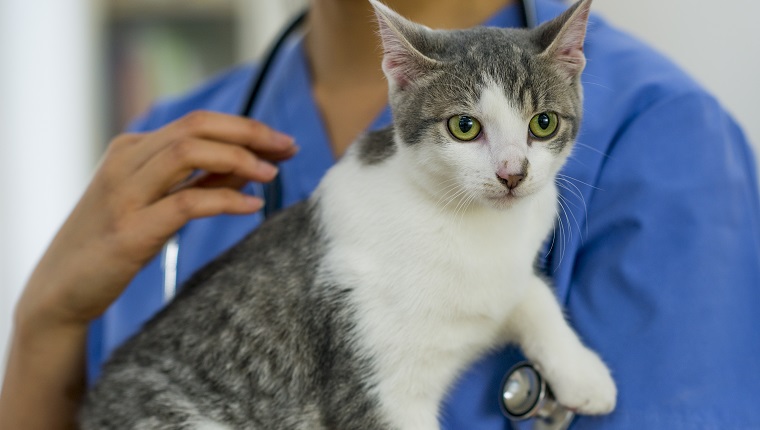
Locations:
(525, 395)
(524, 392)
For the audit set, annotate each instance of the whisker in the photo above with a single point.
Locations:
(453, 186)
(567, 218)
(554, 234)
(597, 84)
(579, 194)
(464, 192)
(561, 239)
(457, 192)
(469, 198)
(579, 181)
(591, 148)
(463, 211)
(564, 187)
(565, 182)
(572, 215)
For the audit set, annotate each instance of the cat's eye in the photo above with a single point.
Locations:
(543, 125)
(463, 127)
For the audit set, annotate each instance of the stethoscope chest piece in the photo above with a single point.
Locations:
(526, 395)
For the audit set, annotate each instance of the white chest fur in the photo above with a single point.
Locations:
(433, 286)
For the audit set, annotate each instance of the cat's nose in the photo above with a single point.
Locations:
(511, 174)
(511, 178)
(511, 181)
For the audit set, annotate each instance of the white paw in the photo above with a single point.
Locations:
(581, 382)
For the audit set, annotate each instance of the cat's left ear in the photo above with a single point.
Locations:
(403, 62)
(563, 37)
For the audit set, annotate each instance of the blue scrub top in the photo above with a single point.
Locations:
(656, 256)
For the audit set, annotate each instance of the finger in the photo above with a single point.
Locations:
(233, 129)
(165, 217)
(278, 156)
(214, 180)
(119, 159)
(172, 166)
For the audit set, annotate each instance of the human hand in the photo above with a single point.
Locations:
(140, 196)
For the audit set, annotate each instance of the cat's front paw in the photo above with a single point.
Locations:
(582, 383)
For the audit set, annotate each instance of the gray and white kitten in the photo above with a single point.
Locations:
(358, 308)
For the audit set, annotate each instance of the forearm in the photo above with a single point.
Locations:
(137, 199)
(45, 377)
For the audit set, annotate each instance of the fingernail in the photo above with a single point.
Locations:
(254, 203)
(283, 140)
(267, 168)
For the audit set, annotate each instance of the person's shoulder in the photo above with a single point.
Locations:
(624, 70)
(628, 65)
(632, 90)
(223, 92)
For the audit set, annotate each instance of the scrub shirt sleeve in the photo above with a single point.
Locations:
(667, 283)
(153, 119)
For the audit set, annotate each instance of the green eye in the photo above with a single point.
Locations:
(464, 128)
(543, 125)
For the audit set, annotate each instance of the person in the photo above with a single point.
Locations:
(656, 254)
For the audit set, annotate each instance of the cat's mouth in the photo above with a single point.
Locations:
(504, 198)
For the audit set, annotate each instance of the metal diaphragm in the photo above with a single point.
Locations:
(526, 395)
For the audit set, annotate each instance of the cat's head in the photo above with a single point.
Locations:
(485, 114)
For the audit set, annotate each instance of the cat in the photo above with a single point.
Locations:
(359, 308)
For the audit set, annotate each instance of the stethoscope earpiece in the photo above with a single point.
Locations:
(525, 395)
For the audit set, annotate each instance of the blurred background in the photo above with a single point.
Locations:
(73, 73)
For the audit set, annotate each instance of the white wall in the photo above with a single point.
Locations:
(50, 121)
(46, 131)
(717, 42)
(262, 20)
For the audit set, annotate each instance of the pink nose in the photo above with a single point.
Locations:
(510, 179)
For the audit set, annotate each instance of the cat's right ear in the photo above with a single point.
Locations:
(403, 63)
(562, 38)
